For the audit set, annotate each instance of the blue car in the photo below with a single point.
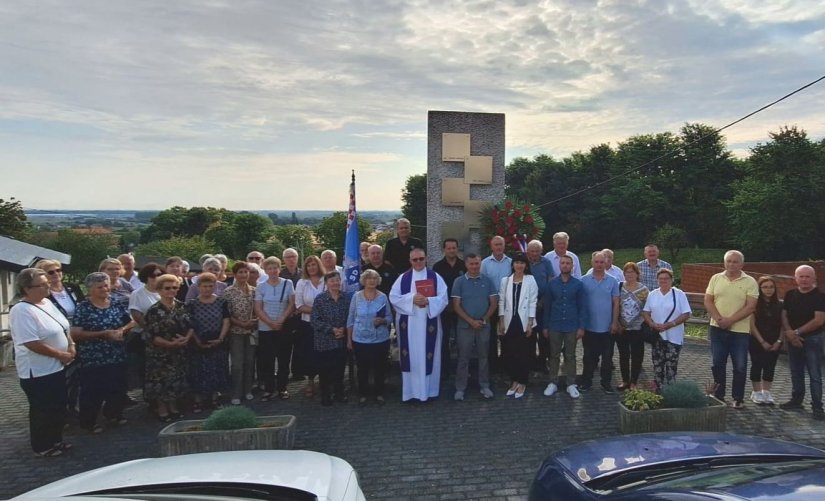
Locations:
(682, 466)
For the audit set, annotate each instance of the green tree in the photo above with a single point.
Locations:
(297, 236)
(87, 251)
(180, 221)
(13, 221)
(331, 231)
(672, 238)
(191, 248)
(774, 210)
(414, 196)
(272, 247)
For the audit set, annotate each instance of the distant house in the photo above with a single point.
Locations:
(15, 256)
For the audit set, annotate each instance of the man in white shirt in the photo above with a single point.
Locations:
(610, 268)
(495, 267)
(129, 273)
(328, 259)
(560, 243)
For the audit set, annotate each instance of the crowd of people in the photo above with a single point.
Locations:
(220, 335)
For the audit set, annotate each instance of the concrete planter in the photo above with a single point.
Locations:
(274, 432)
(710, 418)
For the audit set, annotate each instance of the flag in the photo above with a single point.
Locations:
(352, 251)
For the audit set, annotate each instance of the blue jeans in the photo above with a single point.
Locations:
(724, 344)
(810, 356)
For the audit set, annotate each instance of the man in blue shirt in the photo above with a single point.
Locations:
(564, 318)
(542, 270)
(602, 319)
(474, 300)
(495, 267)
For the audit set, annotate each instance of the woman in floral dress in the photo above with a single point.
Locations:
(209, 362)
(168, 330)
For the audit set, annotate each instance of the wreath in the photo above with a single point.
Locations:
(517, 221)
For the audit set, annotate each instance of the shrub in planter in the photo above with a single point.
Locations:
(231, 418)
(684, 394)
(641, 400)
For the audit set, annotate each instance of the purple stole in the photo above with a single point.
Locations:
(403, 327)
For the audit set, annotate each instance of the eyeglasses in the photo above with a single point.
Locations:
(253, 258)
(418, 259)
(171, 288)
(55, 272)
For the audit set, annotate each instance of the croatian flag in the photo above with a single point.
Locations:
(352, 253)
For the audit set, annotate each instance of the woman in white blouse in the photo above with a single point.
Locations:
(518, 295)
(666, 311)
(42, 348)
(309, 286)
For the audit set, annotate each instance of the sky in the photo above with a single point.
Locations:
(270, 104)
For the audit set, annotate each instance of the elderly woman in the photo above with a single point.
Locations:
(99, 328)
(139, 303)
(222, 276)
(666, 311)
(329, 325)
(210, 265)
(64, 295)
(518, 295)
(309, 286)
(243, 333)
(630, 339)
(368, 335)
(209, 360)
(119, 287)
(42, 347)
(175, 265)
(274, 303)
(168, 330)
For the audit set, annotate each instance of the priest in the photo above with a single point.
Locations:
(419, 296)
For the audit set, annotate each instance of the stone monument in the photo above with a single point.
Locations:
(465, 173)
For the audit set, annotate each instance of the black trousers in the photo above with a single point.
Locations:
(519, 351)
(371, 358)
(102, 386)
(763, 362)
(47, 409)
(631, 354)
(331, 372)
(272, 344)
(598, 346)
(449, 324)
(542, 342)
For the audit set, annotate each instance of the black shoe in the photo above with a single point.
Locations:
(607, 389)
(819, 415)
(791, 404)
(584, 388)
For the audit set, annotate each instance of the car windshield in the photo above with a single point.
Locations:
(702, 473)
(190, 491)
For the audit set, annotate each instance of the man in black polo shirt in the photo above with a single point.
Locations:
(397, 251)
(375, 261)
(803, 315)
(450, 267)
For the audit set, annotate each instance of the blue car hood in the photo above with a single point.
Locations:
(596, 458)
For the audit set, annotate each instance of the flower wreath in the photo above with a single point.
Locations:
(517, 221)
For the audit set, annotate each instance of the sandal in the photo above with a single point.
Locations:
(50, 453)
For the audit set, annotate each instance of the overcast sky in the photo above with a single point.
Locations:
(270, 104)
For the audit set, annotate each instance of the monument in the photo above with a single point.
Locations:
(465, 173)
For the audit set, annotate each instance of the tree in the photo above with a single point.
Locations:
(180, 221)
(234, 234)
(191, 248)
(297, 236)
(13, 221)
(774, 210)
(87, 251)
(414, 196)
(332, 230)
(672, 238)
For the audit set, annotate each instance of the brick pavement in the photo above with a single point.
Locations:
(439, 450)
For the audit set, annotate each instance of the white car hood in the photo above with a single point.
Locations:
(327, 477)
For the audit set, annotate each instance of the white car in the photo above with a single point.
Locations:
(270, 474)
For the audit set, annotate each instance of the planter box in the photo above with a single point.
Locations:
(276, 432)
(710, 418)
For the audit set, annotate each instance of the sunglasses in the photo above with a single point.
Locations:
(418, 259)
(55, 272)
(171, 288)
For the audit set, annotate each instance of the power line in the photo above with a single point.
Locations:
(670, 152)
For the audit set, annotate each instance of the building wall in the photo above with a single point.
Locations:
(695, 276)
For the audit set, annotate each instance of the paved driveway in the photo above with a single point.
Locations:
(439, 450)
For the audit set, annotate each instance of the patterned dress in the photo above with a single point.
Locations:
(166, 368)
(209, 367)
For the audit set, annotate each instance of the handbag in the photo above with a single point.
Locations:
(651, 336)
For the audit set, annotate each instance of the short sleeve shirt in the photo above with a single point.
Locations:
(275, 299)
(800, 307)
(475, 295)
(98, 352)
(599, 301)
(730, 296)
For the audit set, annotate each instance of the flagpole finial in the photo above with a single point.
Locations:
(353, 175)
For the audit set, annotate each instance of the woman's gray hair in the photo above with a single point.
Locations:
(369, 274)
(222, 258)
(95, 278)
(204, 258)
(211, 262)
(256, 268)
(25, 279)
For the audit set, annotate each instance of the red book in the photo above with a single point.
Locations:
(425, 287)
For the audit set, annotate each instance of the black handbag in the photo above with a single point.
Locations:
(651, 336)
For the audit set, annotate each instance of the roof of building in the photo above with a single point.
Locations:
(16, 255)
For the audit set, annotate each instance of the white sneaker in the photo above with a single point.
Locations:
(767, 397)
(487, 393)
(757, 397)
(573, 391)
(551, 390)
(236, 401)
(459, 395)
